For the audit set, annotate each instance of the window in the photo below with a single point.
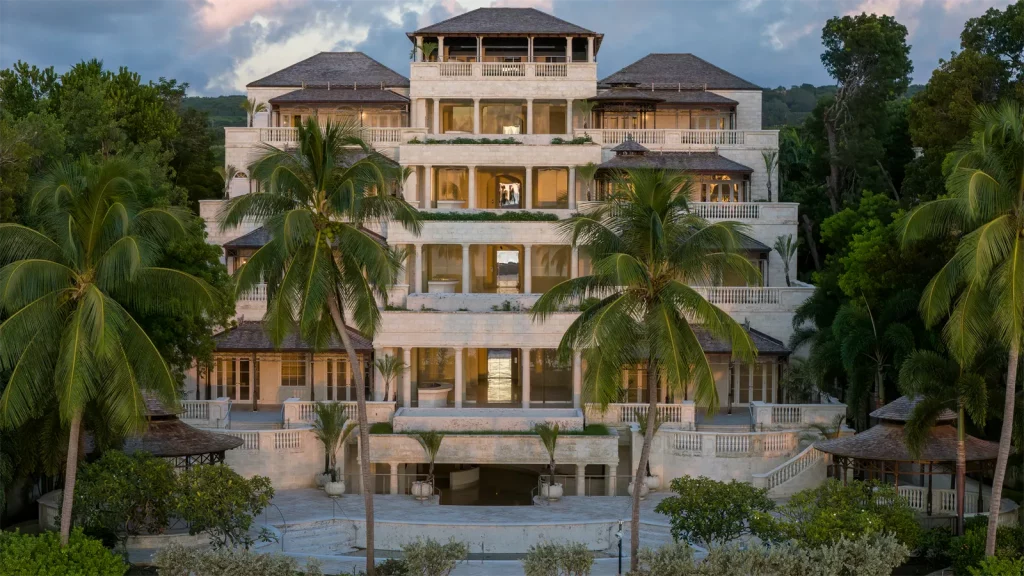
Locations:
(549, 266)
(550, 188)
(443, 263)
(550, 378)
(457, 117)
(549, 118)
(340, 380)
(502, 117)
(293, 370)
(451, 188)
(500, 187)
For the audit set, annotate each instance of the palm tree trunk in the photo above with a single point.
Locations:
(1005, 436)
(641, 469)
(70, 471)
(961, 472)
(364, 431)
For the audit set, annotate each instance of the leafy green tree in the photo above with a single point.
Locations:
(27, 145)
(215, 500)
(648, 249)
(1000, 34)
(25, 89)
(941, 383)
(712, 513)
(67, 288)
(321, 264)
(978, 293)
(870, 60)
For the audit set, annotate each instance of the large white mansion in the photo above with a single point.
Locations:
(459, 316)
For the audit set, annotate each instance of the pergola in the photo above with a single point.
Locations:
(881, 452)
(185, 446)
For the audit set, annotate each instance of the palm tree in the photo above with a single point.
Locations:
(648, 248)
(431, 442)
(69, 290)
(226, 174)
(978, 292)
(549, 438)
(428, 50)
(391, 369)
(585, 174)
(252, 108)
(941, 383)
(585, 108)
(642, 421)
(332, 428)
(786, 247)
(321, 264)
(771, 163)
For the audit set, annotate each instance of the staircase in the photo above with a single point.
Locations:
(805, 470)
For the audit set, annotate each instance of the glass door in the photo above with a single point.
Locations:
(243, 379)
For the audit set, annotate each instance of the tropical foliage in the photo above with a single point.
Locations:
(217, 501)
(710, 513)
(431, 558)
(44, 554)
(331, 427)
(177, 560)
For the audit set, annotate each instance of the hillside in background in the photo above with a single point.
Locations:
(220, 111)
(789, 106)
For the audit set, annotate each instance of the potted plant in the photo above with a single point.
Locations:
(331, 427)
(431, 442)
(652, 481)
(391, 369)
(549, 437)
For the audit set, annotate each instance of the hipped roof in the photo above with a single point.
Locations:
(250, 336)
(351, 69)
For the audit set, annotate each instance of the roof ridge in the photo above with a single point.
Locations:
(716, 67)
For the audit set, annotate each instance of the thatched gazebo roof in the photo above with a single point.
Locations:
(900, 410)
(168, 437)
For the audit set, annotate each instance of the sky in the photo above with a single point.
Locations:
(218, 46)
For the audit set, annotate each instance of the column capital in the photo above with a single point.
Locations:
(458, 348)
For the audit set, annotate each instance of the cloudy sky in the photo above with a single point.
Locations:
(217, 46)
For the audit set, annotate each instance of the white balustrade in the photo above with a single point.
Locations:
(372, 135)
(288, 440)
(688, 442)
(257, 294)
(250, 440)
(788, 469)
(548, 70)
(195, 410)
(206, 413)
(670, 415)
(732, 444)
(741, 294)
(453, 69)
(916, 497)
(298, 411)
(778, 443)
(502, 69)
(726, 210)
(669, 138)
(783, 414)
(382, 135)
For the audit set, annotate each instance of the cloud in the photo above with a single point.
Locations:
(218, 46)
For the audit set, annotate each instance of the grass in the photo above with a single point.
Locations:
(381, 428)
(589, 430)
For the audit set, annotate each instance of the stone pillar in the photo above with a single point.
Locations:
(428, 187)
(590, 49)
(524, 359)
(581, 479)
(577, 381)
(471, 202)
(527, 269)
(394, 477)
(407, 378)
(529, 49)
(609, 484)
(479, 48)
(528, 191)
(736, 366)
(460, 377)
(419, 48)
(437, 116)
(572, 188)
(440, 48)
(419, 267)
(476, 115)
(421, 113)
(529, 116)
(378, 378)
(568, 116)
(465, 268)
(568, 49)
(412, 185)
(574, 263)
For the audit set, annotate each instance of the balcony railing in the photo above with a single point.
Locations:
(681, 139)
(727, 210)
(304, 412)
(372, 135)
(719, 444)
(681, 416)
(500, 70)
(741, 294)
(257, 294)
(775, 416)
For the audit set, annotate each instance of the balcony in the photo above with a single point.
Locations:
(504, 70)
(285, 136)
(678, 139)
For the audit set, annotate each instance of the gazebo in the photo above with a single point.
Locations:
(168, 437)
(881, 453)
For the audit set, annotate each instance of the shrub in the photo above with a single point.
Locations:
(464, 140)
(676, 558)
(558, 560)
(176, 560)
(585, 139)
(997, 566)
(43, 555)
(431, 558)
(392, 567)
(120, 495)
(933, 545)
(220, 502)
(822, 515)
(509, 216)
(381, 428)
(968, 551)
(708, 512)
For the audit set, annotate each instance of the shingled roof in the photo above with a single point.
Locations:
(251, 337)
(688, 161)
(255, 239)
(340, 93)
(764, 343)
(337, 69)
(677, 70)
(693, 97)
(504, 21)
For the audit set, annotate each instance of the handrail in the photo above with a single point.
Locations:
(788, 469)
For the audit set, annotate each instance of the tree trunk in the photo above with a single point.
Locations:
(811, 246)
(70, 472)
(1005, 437)
(833, 165)
(364, 431)
(645, 455)
(961, 472)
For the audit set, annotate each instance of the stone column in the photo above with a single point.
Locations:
(574, 263)
(476, 115)
(471, 203)
(529, 116)
(577, 381)
(479, 48)
(419, 267)
(529, 49)
(527, 269)
(590, 49)
(394, 477)
(524, 359)
(378, 378)
(459, 377)
(428, 187)
(465, 268)
(581, 479)
(528, 191)
(407, 377)
(568, 48)
(421, 113)
(736, 366)
(419, 48)
(609, 484)
(572, 188)
(440, 48)
(437, 116)
(568, 116)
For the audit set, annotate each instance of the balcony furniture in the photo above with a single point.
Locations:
(434, 394)
(443, 285)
